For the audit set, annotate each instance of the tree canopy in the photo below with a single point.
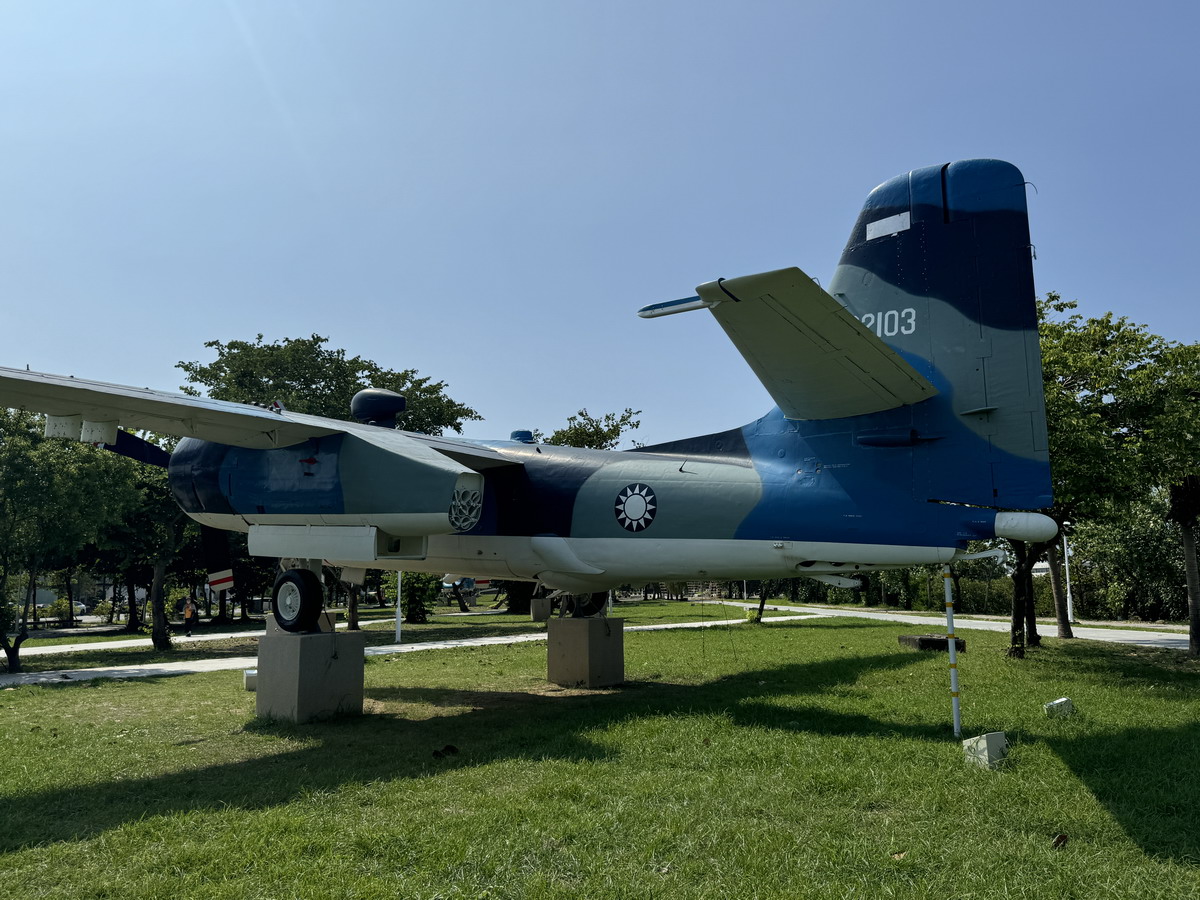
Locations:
(1123, 409)
(585, 430)
(308, 377)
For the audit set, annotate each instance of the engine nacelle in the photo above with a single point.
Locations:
(368, 478)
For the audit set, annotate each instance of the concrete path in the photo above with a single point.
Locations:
(1169, 640)
(1166, 640)
(187, 667)
(181, 640)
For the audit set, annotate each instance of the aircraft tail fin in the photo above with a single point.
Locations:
(939, 267)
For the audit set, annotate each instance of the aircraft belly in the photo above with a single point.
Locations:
(616, 561)
(622, 561)
(474, 557)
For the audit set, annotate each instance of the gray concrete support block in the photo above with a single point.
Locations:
(540, 609)
(302, 677)
(585, 652)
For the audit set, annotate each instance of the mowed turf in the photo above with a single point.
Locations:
(377, 625)
(810, 759)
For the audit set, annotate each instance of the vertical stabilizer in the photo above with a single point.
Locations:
(939, 267)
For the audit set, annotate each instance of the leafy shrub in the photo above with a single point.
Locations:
(419, 594)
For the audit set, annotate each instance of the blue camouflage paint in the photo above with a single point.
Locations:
(938, 264)
(300, 480)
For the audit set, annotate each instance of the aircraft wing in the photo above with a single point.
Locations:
(98, 403)
(816, 360)
(236, 424)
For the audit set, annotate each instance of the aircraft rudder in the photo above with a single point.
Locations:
(939, 266)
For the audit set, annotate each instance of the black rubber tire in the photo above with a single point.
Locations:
(303, 599)
(589, 605)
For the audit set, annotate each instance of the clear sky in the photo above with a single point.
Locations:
(488, 191)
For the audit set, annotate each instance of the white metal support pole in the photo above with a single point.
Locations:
(952, 646)
(399, 611)
(1067, 563)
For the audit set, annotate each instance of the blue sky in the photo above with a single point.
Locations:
(488, 191)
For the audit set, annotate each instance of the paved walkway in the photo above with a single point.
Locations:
(1170, 640)
(1161, 639)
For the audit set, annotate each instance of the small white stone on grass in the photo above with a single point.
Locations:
(1060, 708)
(986, 750)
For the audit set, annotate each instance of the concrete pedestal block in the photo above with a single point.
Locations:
(540, 609)
(585, 652)
(302, 677)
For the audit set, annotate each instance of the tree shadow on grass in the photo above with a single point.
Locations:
(481, 726)
(1130, 665)
(1146, 778)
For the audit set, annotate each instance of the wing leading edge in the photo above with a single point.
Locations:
(816, 360)
(97, 403)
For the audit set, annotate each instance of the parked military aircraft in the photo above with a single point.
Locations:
(909, 421)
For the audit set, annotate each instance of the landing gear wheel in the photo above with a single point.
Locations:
(297, 600)
(588, 605)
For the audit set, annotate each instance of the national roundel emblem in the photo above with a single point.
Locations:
(636, 507)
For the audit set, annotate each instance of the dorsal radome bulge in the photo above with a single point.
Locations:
(377, 406)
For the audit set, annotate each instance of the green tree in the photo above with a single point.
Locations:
(1170, 441)
(55, 498)
(585, 430)
(308, 377)
(1129, 563)
(1120, 404)
(418, 595)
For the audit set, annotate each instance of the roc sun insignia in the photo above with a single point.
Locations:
(636, 507)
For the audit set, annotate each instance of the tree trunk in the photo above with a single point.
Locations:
(70, 597)
(352, 608)
(30, 599)
(12, 651)
(519, 595)
(1193, 585)
(1016, 631)
(762, 602)
(159, 634)
(134, 621)
(1060, 596)
(1185, 510)
(1032, 638)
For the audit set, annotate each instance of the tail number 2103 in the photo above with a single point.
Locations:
(891, 322)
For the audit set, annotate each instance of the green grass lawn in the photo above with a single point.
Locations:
(792, 760)
(379, 631)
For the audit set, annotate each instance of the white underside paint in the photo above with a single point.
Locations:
(590, 564)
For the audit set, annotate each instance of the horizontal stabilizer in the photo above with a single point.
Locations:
(816, 360)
